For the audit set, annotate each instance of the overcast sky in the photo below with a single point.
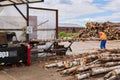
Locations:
(82, 11)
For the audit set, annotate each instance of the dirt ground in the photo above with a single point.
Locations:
(37, 71)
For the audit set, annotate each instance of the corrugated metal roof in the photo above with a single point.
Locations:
(12, 2)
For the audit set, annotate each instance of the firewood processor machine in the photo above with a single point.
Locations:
(11, 51)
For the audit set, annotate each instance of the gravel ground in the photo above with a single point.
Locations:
(91, 46)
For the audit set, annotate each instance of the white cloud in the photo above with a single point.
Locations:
(69, 13)
(81, 22)
(75, 9)
(89, 1)
(113, 18)
(113, 5)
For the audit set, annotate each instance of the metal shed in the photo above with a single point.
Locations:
(46, 23)
(17, 16)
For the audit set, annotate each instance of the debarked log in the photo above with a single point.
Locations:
(83, 61)
(94, 62)
(82, 76)
(67, 64)
(108, 64)
(79, 68)
(58, 64)
(112, 75)
(109, 55)
(103, 69)
(109, 58)
(70, 70)
(111, 78)
(83, 68)
(71, 64)
(92, 56)
(51, 65)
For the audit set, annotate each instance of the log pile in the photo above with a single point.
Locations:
(91, 31)
(88, 65)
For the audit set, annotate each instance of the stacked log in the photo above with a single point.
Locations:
(88, 65)
(82, 76)
(111, 29)
(112, 75)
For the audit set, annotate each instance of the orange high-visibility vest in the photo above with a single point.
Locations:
(102, 36)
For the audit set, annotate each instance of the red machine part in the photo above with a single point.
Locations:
(28, 55)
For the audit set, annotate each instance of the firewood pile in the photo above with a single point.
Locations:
(111, 29)
(88, 65)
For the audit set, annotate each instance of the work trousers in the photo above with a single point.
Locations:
(103, 44)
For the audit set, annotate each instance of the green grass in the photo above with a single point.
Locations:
(70, 35)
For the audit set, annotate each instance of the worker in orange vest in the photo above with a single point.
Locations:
(103, 39)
